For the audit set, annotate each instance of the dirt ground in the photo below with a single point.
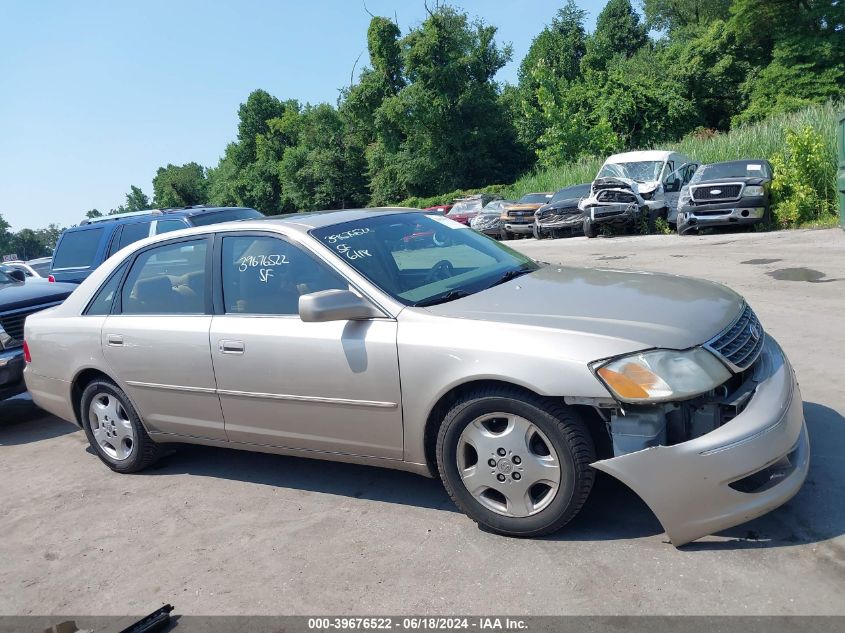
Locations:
(214, 531)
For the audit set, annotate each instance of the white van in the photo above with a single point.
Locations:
(655, 177)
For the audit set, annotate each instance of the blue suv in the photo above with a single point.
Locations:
(82, 248)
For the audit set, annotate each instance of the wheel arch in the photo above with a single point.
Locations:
(81, 380)
(456, 392)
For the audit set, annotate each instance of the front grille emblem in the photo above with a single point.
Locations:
(715, 192)
(754, 331)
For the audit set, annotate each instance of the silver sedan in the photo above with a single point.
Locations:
(320, 335)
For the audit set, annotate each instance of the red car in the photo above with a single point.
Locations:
(425, 237)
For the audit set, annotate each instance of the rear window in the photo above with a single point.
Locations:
(229, 215)
(578, 191)
(77, 249)
(134, 232)
(535, 198)
(42, 268)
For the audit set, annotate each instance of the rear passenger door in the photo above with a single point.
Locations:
(156, 338)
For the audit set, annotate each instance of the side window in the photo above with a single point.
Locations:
(166, 226)
(77, 249)
(134, 232)
(267, 275)
(168, 279)
(115, 242)
(104, 298)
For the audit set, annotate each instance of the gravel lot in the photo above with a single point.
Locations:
(227, 532)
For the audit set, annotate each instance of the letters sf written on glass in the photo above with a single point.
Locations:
(263, 264)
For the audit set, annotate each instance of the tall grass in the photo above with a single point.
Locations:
(758, 140)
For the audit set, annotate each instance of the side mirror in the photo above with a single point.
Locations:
(17, 274)
(335, 305)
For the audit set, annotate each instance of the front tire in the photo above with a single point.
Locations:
(504, 235)
(538, 234)
(114, 428)
(589, 229)
(515, 463)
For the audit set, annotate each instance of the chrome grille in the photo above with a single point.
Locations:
(716, 192)
(740, 344)
(613, 195)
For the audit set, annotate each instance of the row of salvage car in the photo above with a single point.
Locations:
(631, 190)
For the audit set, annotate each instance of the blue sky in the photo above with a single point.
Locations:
(95, 96)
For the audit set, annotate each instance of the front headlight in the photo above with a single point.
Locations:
(753, 190)
(662, 375)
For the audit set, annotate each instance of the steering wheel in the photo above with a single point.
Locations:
(440, 271)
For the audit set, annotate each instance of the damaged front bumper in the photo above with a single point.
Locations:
(613, 213)
(745, 211)
(743, 469)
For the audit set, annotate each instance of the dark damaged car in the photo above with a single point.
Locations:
(18, 300)
(724, 194)
(561, 217)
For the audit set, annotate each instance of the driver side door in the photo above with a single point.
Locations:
(330, 387)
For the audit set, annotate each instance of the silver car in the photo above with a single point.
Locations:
(319, 335)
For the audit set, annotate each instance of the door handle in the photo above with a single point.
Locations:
(231, 347)
(115, 340)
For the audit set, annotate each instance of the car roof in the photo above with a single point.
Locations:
(141, 216)
(741, 161)
(317, 219)
(632, 157)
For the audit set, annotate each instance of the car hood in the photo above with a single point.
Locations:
(570, 204)
(644, 309)
(748, 180)
(530, 206)
(26, 295)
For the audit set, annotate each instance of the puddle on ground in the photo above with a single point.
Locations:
(761, 261)
(606, 257)
(800, 274)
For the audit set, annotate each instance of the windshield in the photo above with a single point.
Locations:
(229, 215)
(641, 171)
(535, 198)
(569, 193)
(5, 279)
(497, 206)
(456, 260)
(468, 206)
(736, 169)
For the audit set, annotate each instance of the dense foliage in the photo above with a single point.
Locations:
(426, 116)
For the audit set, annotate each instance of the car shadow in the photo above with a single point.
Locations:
(612, 512)
(21, 422)
(312, 475)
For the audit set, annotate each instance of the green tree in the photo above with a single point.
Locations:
(675, 16)
(644, 102)
(446, 128)
(618, 32)
(93, 213)
(555, 54)
(180, 185)
(799, 55)
(248, 172)
(137, 200)
(320, 171)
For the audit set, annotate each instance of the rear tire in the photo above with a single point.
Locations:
(589, 229)
(515, 463)
(114, 428)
